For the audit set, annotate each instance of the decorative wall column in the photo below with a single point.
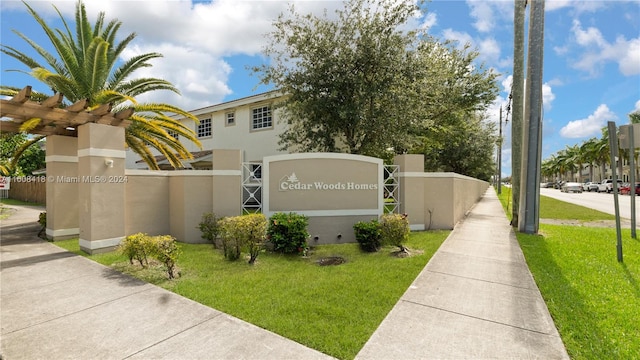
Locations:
(62, 187)
(412, 196)
(101, 168)
(227, 182)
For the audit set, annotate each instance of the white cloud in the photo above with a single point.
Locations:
(429, 20)
(462, 38)
(579, 6)
(483, 13)
(598, 51)
(637, 106)
(200, 76)
(547, 96)
(589, 126)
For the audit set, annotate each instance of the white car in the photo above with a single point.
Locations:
(607, 185)
(571, 187)
(590, 186)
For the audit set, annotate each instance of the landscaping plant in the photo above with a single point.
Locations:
(166, 250)
(140, 247)
(210, 227)
(238, 232)
(395, 230)
(288, 232)
(368, 234)
(137, 246)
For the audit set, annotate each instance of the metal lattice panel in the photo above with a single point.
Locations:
(251, 188)
(391, 189)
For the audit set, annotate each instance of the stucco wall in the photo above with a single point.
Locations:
(448, 197)
(147, 202)
(191, 195)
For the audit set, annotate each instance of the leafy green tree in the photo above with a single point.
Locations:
(18, 157)
(85, 66)
(358, 83)
(465, 147)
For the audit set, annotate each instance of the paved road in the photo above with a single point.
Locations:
(598, 201)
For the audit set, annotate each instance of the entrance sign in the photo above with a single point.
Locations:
(334, 190)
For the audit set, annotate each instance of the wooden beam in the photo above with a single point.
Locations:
(77, 106)
(23, 96)
(124, 114)
(48, 115)
(53, 101)
(9, 127)
(103, 109)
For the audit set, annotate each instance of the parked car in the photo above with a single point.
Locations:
(590, 186)
(626, 189)
(571, 187)
(607, 185)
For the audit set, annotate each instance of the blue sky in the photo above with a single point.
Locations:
(591, 53)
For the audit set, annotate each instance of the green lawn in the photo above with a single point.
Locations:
(593, 299)
(333, 309)
(18, 202)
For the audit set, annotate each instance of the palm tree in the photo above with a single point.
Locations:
(602, 155)
(85, 66)
(588, 151)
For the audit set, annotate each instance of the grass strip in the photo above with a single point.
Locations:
(593, 299)
(334, 309)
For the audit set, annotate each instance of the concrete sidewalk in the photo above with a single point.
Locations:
(475, 299)
(57, 305)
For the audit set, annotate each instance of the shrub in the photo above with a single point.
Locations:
(166, 250)
(163, 248)
(137, 246)
(288, 232)
(210, 227)
(368, 234)
(231, 238)
(42, 220)
(395, 230)
(240, 232)
(255, 226)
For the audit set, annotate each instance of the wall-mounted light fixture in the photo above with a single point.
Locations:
(108, 163)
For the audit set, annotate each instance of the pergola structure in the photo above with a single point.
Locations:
(53, 119)
(85, 160)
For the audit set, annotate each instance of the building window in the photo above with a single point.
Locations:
(173, 134)
(204, 128)
(261, 118)
(230, 119)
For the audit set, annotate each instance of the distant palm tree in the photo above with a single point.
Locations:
(602, 155)
(588, 151)
(86, 66)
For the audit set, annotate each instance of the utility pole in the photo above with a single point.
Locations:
(529, 211)
(517, 91)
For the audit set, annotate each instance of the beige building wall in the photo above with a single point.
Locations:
(435, 200)
(190, 196)
(227, 183)
(62, 187)
(147, 202)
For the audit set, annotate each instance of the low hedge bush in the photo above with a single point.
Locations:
(368, 234)
(288, 232)
(243, 232)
